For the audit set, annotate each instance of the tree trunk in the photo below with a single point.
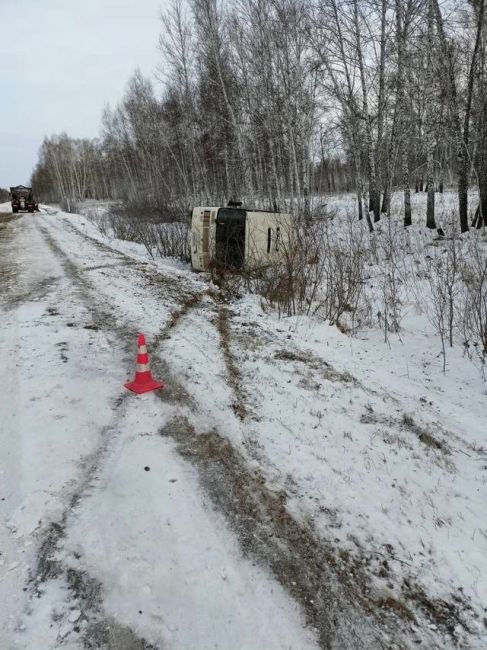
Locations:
(455, 115)
(381, 107)
(430, 144)
(371, 168)
(403, 140)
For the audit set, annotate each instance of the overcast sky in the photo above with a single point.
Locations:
(61, 62)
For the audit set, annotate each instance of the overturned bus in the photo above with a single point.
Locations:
(237, 238)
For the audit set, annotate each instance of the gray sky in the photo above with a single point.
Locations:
(61, 61)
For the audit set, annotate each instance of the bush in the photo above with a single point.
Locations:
(166, 235)
(474, 309)
(322, 274)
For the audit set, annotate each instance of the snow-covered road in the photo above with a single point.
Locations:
(245, 506)
(98, 551)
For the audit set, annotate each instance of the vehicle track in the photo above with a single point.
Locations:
(11, 296)
(413, 602)
(93, 629)
(332, 588)
(222, 323)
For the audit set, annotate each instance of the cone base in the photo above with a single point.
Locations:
(145, 387)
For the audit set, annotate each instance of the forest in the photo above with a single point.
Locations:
(281, 102)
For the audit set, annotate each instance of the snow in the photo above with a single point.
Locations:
(47, 422)
(446, 204)
(367, 485)
(371, 444)
(71, 433)
(149, 534)
(354, 455)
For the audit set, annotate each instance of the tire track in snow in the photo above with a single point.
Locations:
(234, 376)
(171, 282)
(331, 591)
(12, 296)
(85, 592)
(95, 632)
(338, 582)
(310, 572)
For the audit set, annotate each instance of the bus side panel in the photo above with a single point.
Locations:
(267, 237)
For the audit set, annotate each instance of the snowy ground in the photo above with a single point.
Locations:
(305, 488)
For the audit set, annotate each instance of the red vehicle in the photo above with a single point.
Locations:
(23, 200)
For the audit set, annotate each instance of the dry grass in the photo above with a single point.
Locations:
(424, 436)
(325, 369)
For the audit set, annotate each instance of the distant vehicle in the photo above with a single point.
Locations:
(237, 238)
(22, 199)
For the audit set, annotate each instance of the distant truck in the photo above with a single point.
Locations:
(22, 199)
(237, 238)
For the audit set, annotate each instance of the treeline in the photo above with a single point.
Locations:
(4, 195)
(278, 101)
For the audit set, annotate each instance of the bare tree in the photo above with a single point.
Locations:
(430, 121)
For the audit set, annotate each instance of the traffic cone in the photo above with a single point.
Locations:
(143, 381)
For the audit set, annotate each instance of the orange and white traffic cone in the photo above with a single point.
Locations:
(143, 381)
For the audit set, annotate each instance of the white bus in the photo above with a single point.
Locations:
(237, 238)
